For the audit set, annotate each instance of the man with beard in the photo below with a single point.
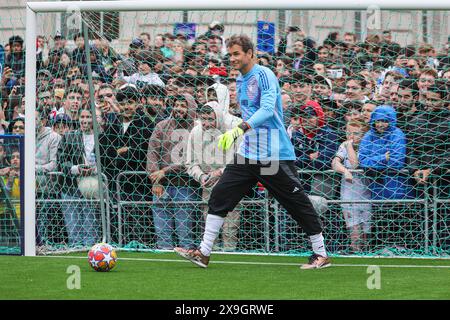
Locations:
(430, 136)
(406, 108)
(153, 98)
(166, 159)
(431, 149)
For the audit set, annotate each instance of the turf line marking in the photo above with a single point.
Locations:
(264, 263)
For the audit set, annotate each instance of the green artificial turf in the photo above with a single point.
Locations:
(148, 276)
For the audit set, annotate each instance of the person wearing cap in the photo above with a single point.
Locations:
(322, 88)
(145, 75)
(61, 123)
(44, 77)
(59, 42)
(217, 28)
(126, 64)
(127, 130)
(131, 127)
(315, 144)
(301, 87)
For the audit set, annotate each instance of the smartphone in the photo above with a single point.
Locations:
(335, 73)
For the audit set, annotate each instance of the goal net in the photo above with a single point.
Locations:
(129, 105)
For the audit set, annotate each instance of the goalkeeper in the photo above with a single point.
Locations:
(265, 155)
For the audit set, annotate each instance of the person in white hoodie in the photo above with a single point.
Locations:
(205, 162)
(220, 93)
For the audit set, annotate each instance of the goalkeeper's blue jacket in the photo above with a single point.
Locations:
(259, 96)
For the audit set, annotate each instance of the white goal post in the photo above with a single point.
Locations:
(33, 8)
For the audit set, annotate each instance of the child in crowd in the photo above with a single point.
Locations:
(354, 186)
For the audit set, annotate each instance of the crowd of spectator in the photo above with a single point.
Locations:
(371, 105)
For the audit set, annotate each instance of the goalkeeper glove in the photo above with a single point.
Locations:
(227, 139)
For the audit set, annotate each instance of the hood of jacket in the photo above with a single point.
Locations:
(45, 133)
(203, 155)
(384, 112)
(222, 93)
(319, 113)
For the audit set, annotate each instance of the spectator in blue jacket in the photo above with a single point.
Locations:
(315, 145)
(382, 155)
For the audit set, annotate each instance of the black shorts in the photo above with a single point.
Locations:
(280, 178)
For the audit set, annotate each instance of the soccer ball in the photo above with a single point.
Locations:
(102, 257)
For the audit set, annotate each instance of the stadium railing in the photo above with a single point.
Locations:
(419, 226)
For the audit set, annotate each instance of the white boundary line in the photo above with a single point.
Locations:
(272, 254)
(264, 263)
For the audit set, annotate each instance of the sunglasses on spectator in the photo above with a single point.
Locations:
(18, 127)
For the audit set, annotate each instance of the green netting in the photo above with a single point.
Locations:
(11, 177)
(378, 191)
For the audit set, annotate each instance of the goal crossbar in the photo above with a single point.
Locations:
(236, 4)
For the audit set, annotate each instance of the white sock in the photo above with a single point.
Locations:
(213, 225)
(317, 244)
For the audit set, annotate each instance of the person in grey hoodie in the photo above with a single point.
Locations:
(47, 142)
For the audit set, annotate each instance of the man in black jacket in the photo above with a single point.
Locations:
(127, 132)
